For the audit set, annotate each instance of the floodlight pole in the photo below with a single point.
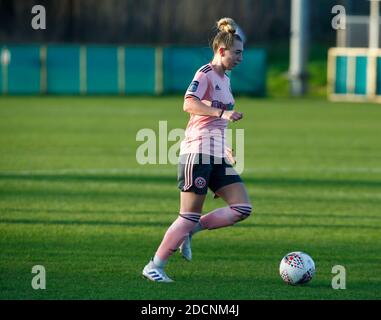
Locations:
(374, 24)
(298, 76)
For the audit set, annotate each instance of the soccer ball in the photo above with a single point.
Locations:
(297, 268)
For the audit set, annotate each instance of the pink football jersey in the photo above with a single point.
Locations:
(206, 134)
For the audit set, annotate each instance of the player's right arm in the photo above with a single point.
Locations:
(193, 105)
(194, 102)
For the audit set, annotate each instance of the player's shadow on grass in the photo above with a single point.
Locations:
(173, 179)
(161, 212)
(318, 215)
(48, 193)
(303, 225)
(312, 182)
(161, 224)
(81, 211)
(87, 222)
(100, 194)
(91, 178)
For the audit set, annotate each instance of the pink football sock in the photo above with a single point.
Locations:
(226, 216)
(176, 233)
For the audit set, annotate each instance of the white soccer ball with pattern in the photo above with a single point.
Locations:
(297, 268)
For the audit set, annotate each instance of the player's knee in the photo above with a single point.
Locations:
(243, 210)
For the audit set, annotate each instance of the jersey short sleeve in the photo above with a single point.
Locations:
(198, 86)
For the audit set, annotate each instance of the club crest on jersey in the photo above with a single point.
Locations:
(217, 87)
(200, 182)
(193, 86)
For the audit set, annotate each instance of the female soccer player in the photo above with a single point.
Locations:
(203, 158)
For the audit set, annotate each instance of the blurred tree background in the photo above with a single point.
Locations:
(266, 23)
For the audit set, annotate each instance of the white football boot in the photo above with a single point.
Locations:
(154, 273)
(186, 249)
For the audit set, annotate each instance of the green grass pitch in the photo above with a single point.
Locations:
(74, 199)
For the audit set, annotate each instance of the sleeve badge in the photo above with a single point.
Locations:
(193, 86)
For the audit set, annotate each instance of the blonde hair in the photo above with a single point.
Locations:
(226, 34)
